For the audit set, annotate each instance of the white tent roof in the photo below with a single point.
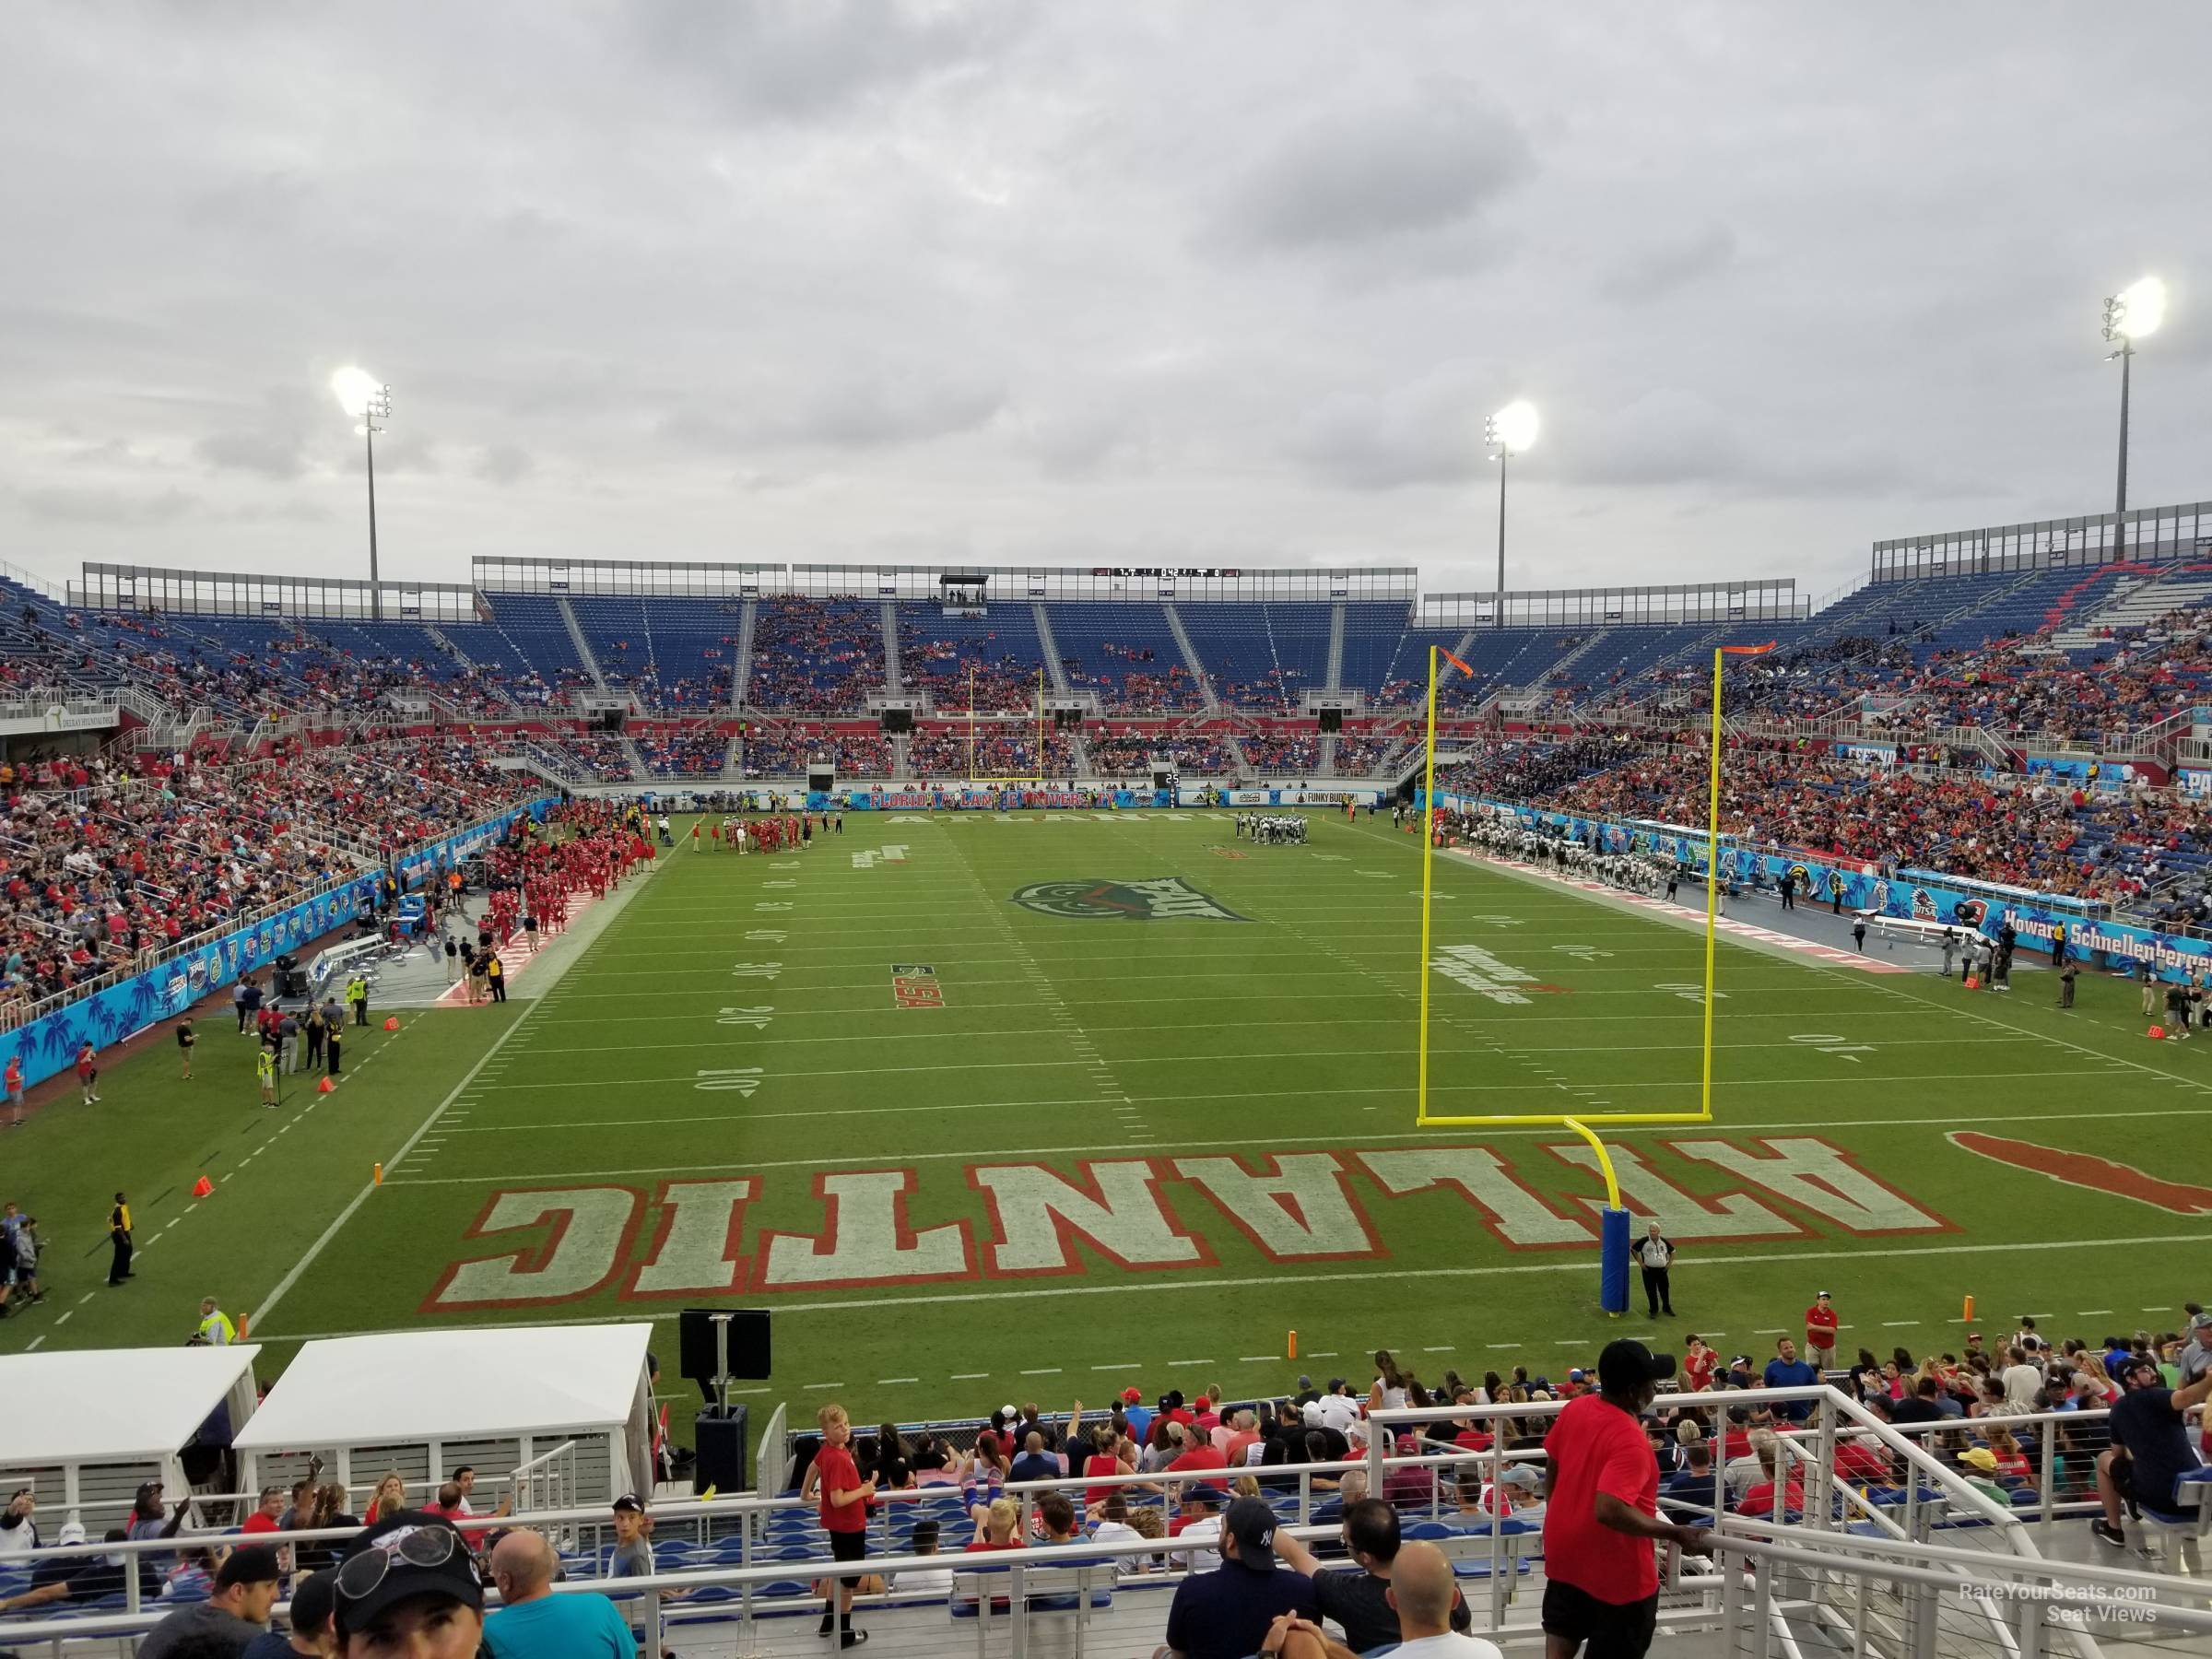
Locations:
(447, 1384)
(101, 1406)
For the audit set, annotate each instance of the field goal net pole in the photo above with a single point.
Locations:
(976, 777)
(1614, 1220)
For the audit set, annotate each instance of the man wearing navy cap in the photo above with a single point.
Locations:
(1226, 1614)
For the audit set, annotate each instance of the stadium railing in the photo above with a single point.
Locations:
(1767, 1588)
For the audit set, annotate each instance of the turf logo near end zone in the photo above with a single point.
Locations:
(1163, 899)
(915, 986)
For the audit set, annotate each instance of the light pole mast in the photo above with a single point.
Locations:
(368, 400)
(1508, 433)
(2129, 315)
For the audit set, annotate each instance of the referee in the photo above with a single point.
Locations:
(1656, 1256)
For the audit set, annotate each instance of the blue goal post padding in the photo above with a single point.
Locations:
(1613, 1262)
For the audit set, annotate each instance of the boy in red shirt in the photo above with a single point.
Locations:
(834, 1479)
(1821, 1332)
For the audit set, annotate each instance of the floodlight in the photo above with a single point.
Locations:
(355, 389)
(1514, 428)
(2135, 310)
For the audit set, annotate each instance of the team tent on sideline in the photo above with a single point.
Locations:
(572, 1407)
(84, 1428)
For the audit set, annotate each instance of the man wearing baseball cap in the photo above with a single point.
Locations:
(1138, 1413)
(406, 1586)
(314, 1600)
(1603, 1514)
(235, 1612)
(2150, 1449)
(1226, 1614)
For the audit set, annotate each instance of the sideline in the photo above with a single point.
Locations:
(298, 1270)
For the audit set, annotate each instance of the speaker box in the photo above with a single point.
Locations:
(719, 1445)
(748, 1343)
(897, 720)
(1332, 720)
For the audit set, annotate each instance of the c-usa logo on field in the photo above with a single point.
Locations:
(1164, 898)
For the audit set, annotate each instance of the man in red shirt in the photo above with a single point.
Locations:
(1198, 1453)
(264, 1519)
(834, 1479)
(1821, 1332)
(1601, 1513)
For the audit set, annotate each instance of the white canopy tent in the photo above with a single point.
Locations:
(422, 1403)
(84, 1427)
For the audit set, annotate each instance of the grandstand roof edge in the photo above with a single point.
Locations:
(399, 1387)
(93, 1406)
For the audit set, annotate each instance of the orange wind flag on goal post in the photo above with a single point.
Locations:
(1470, 672)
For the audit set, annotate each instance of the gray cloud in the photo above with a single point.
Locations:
(268, 453)
(1087, 282)
(65, 504)
(504, 464)
(1660, 267)
(1421, 159)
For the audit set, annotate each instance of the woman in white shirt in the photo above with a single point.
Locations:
(1388, 1393)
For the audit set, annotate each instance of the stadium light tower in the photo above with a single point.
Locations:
(2130, 314)
(368, 400)
(1508, 433)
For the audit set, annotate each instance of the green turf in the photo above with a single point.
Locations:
(1067, 1039)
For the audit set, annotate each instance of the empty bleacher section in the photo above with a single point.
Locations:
(1261, 657)
(1126, 652)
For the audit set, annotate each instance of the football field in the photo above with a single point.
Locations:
(990, 1107)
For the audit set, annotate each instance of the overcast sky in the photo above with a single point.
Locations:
(1126, 282)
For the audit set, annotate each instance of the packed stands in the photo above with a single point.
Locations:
(990, 663)
(817, 656)
(1282, 752)
(1195, 754)
(698, 752)
(855, 752)
(103, 874)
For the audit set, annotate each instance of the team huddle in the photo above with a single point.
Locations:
(1272, 828)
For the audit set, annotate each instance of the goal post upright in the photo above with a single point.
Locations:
(1614, 1253)
(1720, 653)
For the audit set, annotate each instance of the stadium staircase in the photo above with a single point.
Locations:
(2135, 604)
(583, 654)
(1335, 679)
(901, 762)
(1551, 676)
(732, 761)
(1190, 660)
(444, 642)
(892, 682)
(1051, 647)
